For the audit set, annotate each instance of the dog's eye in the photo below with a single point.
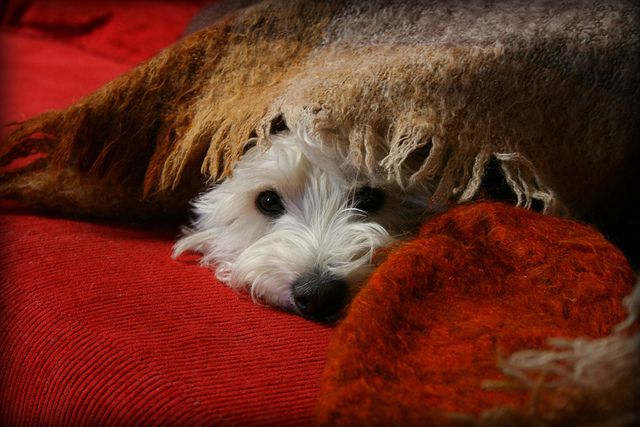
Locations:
(368, 199)
(269, 203)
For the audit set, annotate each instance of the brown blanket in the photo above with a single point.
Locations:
(548, 89)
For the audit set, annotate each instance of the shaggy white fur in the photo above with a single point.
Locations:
(294, 217)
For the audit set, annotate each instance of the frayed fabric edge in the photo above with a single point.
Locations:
(457, 170)
(578, 373)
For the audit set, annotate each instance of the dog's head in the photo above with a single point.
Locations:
(296, 229)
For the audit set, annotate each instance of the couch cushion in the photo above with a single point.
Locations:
(99, 324)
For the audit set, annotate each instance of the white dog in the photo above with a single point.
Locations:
(297, 228)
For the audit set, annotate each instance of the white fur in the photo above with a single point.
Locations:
(320, 229)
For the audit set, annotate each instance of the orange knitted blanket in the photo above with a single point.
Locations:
(454, 327)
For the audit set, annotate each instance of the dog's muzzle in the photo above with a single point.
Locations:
(319, 297)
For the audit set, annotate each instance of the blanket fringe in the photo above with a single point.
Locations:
(410, 110)
(525, 182)
(581, 382)
(170, 126)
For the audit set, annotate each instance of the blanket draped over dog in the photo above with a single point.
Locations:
(548, 89)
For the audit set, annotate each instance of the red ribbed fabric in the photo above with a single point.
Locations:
(100, 326)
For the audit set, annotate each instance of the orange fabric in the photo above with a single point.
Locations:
(479, 281)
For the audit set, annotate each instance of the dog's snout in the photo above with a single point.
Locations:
(319, 298)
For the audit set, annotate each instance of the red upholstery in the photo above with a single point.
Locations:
(99, 324)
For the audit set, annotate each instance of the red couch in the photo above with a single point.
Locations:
(99, 324)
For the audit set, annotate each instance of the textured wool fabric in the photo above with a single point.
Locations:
(549, 89)
(101, 327)
(477, 284)
(107, 35)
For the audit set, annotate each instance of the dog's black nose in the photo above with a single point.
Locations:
(319, 298)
